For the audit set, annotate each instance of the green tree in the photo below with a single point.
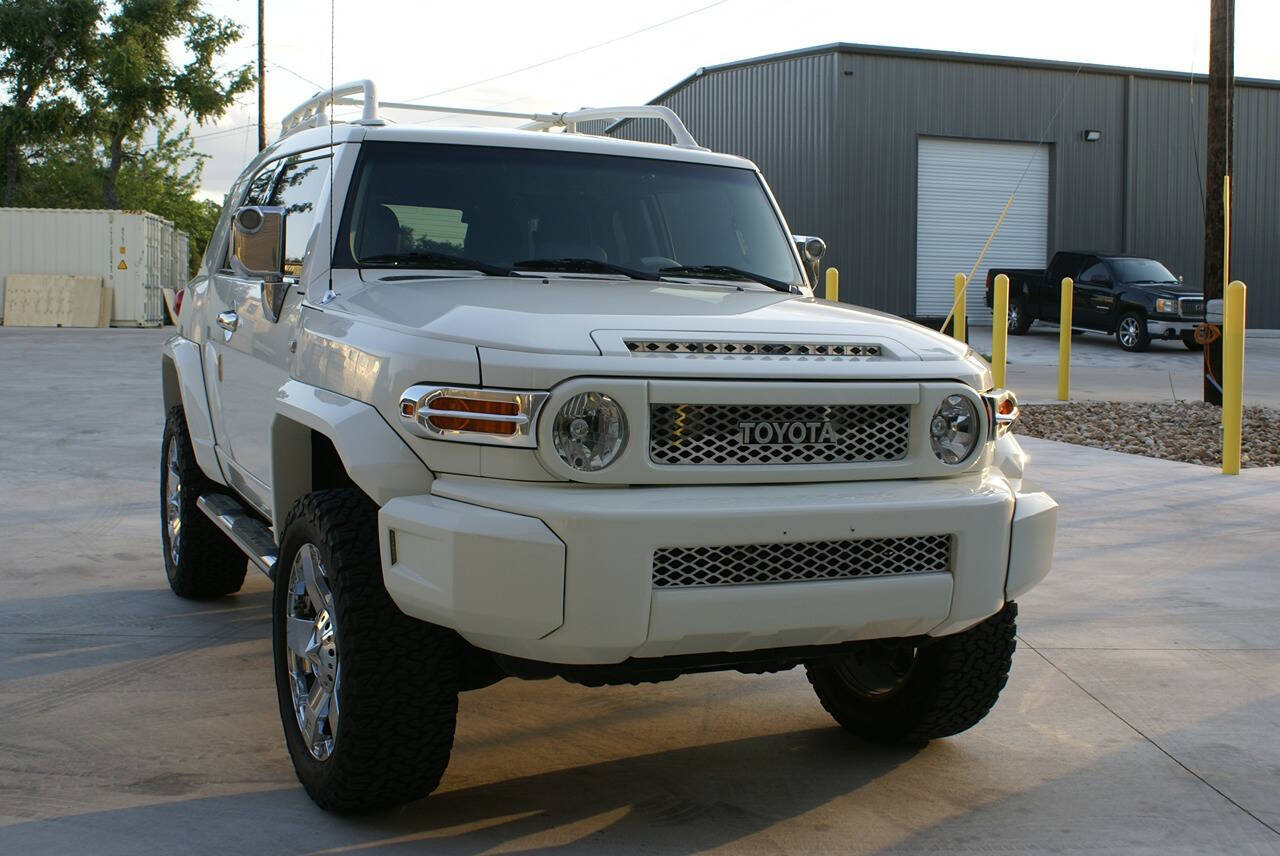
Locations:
(46, 47)
(136, 84)
(162, 178)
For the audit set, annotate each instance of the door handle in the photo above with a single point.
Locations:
(228, 321)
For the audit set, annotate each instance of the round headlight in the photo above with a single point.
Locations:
(954, 429)
(590, 431)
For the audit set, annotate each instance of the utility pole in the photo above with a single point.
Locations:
(261, 79)
(1219, 133)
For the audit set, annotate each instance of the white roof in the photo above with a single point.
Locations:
(308, 126)
(312, 138)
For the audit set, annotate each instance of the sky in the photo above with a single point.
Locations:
(555, 55)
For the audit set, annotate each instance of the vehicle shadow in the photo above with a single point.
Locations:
(47, 635)
(679, 801)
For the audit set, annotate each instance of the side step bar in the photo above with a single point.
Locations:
(246, 531)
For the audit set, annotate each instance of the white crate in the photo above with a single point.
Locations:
(135, 253)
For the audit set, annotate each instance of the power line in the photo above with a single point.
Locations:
(577, 52)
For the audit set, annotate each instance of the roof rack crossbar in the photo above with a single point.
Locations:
(311, 113)
(684, 139)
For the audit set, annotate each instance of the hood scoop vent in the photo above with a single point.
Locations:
(820, 350)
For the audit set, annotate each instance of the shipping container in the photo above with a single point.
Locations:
(136, 254)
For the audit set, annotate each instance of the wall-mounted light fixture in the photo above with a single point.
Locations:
(1091, 136)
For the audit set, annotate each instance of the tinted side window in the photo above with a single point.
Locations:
(1095, 273)
(297, 190)
(260, 185)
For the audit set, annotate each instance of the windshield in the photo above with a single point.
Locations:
(1141, 270)
(470, 207)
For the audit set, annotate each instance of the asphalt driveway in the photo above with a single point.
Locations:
(1101, 371)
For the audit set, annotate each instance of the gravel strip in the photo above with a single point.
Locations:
(1184, 431)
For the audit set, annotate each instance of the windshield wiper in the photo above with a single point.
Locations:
(726, 272)
(583, 265)
(441, 261)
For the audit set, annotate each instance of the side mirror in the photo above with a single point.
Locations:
(257, 242)
(812, 249)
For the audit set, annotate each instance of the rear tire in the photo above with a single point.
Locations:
(886, 695)
(1019, 316)
(394, 679)
(199, 560)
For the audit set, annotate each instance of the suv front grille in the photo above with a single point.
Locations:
(744, 564)
(728, 434)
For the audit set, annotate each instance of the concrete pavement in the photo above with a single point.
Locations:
(1141, 715)
(1101, 371)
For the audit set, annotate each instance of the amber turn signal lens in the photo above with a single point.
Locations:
(1006, 407)
(472, 423)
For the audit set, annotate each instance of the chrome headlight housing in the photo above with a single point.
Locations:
(589, 431)
(954, 429)
(1166, 306)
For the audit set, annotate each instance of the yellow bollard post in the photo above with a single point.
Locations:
(957, 329)
(1064, 340)
(833, 284)
(1232, 376)
(999, 329)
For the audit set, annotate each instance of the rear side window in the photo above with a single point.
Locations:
(298, 190)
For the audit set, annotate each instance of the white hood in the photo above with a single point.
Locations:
(567, 315)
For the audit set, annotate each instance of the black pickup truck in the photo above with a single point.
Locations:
(1134, 299)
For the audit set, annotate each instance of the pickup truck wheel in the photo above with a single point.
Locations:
(903, 694)
(368, 696)
(1019, 316)
(199, 560)
(1131, 331)
(1189, 339)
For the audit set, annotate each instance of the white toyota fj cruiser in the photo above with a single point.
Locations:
(490, 403)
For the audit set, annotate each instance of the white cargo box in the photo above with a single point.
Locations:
(136, 254)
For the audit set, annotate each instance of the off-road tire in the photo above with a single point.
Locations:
(1020, 319)
(1189, 340)
(953, 684)
(1142, 339)
(399, 677)
(209, 564)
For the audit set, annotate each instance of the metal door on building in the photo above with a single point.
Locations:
(961, 188)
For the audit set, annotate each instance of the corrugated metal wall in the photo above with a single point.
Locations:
(836, 130)
(887, 103)
(767, 113)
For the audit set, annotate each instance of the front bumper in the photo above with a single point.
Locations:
(562, 573)
(1170, 328)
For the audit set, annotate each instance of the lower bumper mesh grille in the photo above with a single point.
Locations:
(745, 564)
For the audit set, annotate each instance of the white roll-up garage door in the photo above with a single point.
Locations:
(962, 186)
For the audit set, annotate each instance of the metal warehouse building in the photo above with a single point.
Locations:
(903, 160)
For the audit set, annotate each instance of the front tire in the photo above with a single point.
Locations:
(368, 696)
(891, 693)
(1131, 332)
(1189, 340)
(199, 560)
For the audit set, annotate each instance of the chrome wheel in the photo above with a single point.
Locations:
(173, 502)
(1014, 317)
(878, 671)
(312, 658)
(1129, 332)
